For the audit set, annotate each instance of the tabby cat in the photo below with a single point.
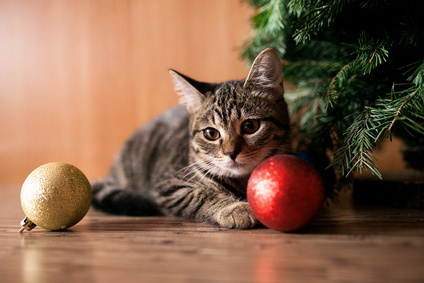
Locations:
(194, 161)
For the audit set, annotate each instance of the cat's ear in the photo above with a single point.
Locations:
(185, 87)
(266, 71)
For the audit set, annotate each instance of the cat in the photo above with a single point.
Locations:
(194, 161)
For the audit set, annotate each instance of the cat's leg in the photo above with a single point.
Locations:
(205, 205)
(111, 198)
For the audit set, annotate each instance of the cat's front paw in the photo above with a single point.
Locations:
(237, 215)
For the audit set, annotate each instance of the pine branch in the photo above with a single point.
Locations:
(374, 125)
(356, 151)
(270, 28)
(317, 15)
(417, 76)
(405, 108)
(341, 77)
(370, 53)
(398, 112)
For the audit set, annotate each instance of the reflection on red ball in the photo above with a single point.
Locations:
(285, 193)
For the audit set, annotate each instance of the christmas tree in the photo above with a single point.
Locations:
(358, 68)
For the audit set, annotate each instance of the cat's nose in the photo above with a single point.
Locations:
(232, 154)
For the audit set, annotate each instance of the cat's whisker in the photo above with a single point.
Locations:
(186, 168)
(192, 172)
(210, 170)
(188, 171)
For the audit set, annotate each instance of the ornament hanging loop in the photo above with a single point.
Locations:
(27, 225)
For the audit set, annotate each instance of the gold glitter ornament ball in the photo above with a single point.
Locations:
(55, 196)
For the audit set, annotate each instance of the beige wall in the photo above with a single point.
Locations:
(78, 77)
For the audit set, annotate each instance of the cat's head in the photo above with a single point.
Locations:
(235, 125)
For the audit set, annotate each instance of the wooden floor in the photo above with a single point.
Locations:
(345, 244)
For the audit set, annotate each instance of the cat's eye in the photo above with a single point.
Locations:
(211, 134)
(250, 126)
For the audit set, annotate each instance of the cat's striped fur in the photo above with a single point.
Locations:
(194, 161)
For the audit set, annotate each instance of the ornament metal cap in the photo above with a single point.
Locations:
(27, 225)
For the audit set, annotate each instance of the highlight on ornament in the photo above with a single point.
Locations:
(55, 196)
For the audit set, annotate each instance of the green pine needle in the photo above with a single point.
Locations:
(356, 151)
(370, 53)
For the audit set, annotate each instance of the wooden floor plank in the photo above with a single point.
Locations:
(344, 244)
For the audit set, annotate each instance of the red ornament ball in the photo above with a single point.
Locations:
(285, 193)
